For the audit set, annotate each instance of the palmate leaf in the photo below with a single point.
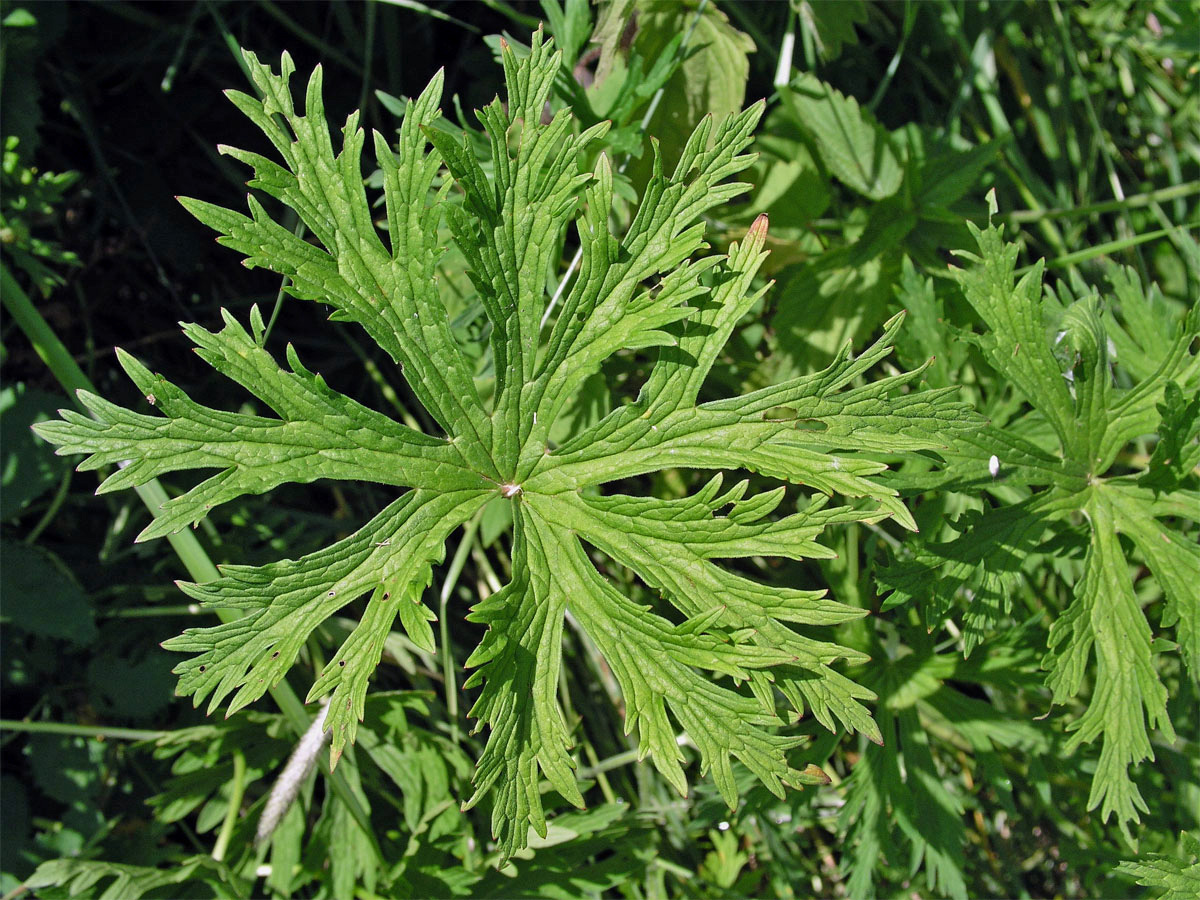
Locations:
(1177, 876)
(1062, 459)
(719, 665)
(74, 877)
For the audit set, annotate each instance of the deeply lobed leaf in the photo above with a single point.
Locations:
(1062, 459)
(738, 644)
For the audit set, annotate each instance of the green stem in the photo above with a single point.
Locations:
(185, 544)
(1022, 216)
(452, 575)
(184, 609)
(1108, 248)
(235, 806)
(910, 17)
(60, 496)
(97, 731)
(45, 343)
(613, 762)
(601, 779)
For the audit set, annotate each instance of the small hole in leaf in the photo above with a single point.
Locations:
(342, 663)
(779, 414)
(202, 668)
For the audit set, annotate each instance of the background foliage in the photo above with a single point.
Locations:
(1001, 638)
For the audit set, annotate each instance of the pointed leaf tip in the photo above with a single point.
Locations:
(816, 773)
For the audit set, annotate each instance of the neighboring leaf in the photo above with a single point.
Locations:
(831, 24)
(130, 689)
(28, 467)
(584, 854)
(202, 763)
(717, 664)
(788, 186)
(1178, 877)
(61, 878)
(856, 149)
(1059, 459)
(1177, 454)
(709, 80)
(353, 863)
(70, 769)
(41, 597)
(899, 793)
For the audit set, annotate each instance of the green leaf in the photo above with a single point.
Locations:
(710, 79)
(42, 597)
(856, 149)
(1177, 454)
(1018, 343)
(1177, 876)
(74, 877)
(1067, 458)
(831, 24)
(28, 468)
(723, 647)
(1106, 620)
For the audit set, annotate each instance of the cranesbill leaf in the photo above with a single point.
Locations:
(1177, 876)
(717, 667)
(1060, 463)
(75, 876)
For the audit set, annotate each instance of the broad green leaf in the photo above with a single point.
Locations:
(856, 149)
(41, 595)
(535, 438)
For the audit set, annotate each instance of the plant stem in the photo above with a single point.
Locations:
(235, 805)
(185, 609)
(96, 731)
(783, 71)
(1022, 216)
(452, 575)
(64, 486)
(1106, 249)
